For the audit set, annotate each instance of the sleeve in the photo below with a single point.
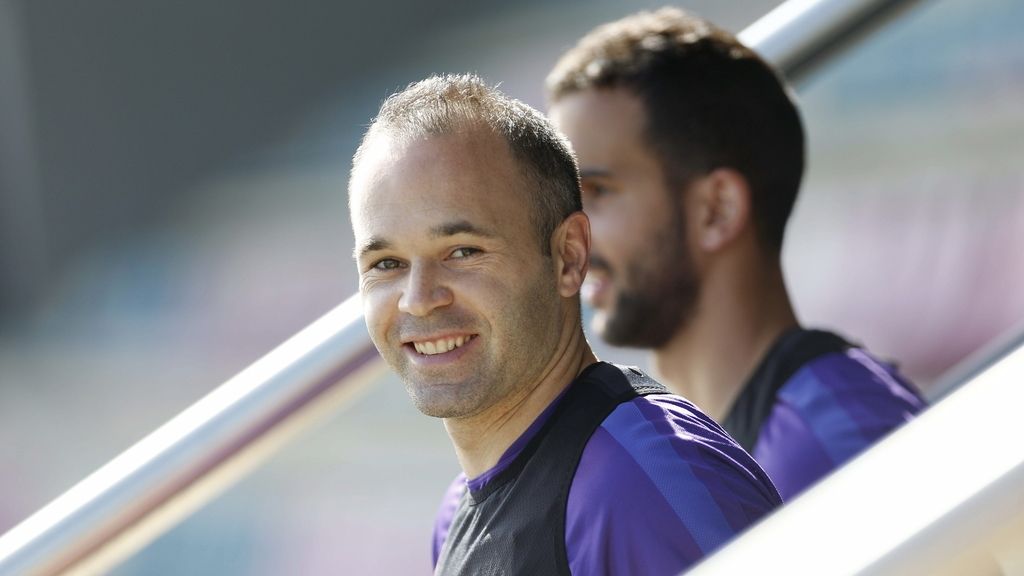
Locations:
(827, 413)
(658, 487)
(445, 515)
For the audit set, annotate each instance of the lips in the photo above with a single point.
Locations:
(595, 289)
(598, 282)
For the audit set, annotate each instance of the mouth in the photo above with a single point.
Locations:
(598, 283)
(442, 345)
(595, 289)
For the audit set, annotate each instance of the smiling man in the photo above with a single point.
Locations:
(691, 152)
(471, 248)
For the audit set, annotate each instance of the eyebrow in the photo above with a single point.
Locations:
(453, 228)
(595, 173)
(372, 245)
(460, 227)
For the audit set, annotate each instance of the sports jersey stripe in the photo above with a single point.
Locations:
(827, 419)
(886, 375)
(658, 459)
(639, 535)
(877, 402)
(789, 452)
(721, 462)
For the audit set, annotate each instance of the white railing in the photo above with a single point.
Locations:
(144, 491)
(941, 496)
(800, 35)
(180, 466)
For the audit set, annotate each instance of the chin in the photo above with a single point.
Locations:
(435, 403)
(431, 408)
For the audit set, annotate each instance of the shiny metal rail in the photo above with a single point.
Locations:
(977, 362)
(144, 491)
(168, 474)
(800, 35)
(942, 496)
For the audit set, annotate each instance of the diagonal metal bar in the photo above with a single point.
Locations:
(943, 495)
(799, 36)
(184, 463)
(180, 466)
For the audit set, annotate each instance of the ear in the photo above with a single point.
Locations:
(723, 208)
(570, 249)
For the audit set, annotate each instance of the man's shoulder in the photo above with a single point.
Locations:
(833, 407)
(664, 443)
(845, 380)
(830, 409)
(646, 422)
(660, 484)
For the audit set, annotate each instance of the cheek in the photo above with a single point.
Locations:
(623, 215)
(378, 310)
(611, 232)
(602, 223)
(639, 217)
(485, 295)
(476, 292)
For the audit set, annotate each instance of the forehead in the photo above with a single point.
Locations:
(410, 186)
(605, 125)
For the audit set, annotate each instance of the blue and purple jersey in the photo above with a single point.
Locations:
(815, 402)
(659, 485)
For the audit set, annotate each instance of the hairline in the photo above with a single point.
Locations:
(404, 133)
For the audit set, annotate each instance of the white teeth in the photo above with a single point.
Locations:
(439, 346)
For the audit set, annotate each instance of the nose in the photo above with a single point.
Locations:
(424, 292)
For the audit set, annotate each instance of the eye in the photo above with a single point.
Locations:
(387, 264)
(464, 252)
(593, 191)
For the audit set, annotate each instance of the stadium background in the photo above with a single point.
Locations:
(172, 206)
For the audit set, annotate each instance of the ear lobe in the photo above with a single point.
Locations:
(725, 208)
(571, 251)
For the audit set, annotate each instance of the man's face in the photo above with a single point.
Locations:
(642, 281)
(458, 295)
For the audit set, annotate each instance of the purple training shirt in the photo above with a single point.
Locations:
(659, 486)
(831, 409)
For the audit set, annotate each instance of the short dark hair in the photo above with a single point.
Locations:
(452, 103)
(710, 102)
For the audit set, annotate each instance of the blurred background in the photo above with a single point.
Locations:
(172, 206)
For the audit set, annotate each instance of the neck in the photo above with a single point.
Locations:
(742, 309)
(481, 439)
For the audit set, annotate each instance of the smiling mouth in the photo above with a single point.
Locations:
(440, 345)
(595, 289)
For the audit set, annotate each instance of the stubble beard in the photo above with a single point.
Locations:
(530, 336)
(661, 295)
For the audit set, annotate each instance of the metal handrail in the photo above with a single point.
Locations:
(977, 362)
(184, 463)
(800, 35)
(191, 458)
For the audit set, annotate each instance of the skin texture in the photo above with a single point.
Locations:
(712, 299)
(642, 283)
(446, 249)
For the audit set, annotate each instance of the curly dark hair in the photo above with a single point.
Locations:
(710, 102)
